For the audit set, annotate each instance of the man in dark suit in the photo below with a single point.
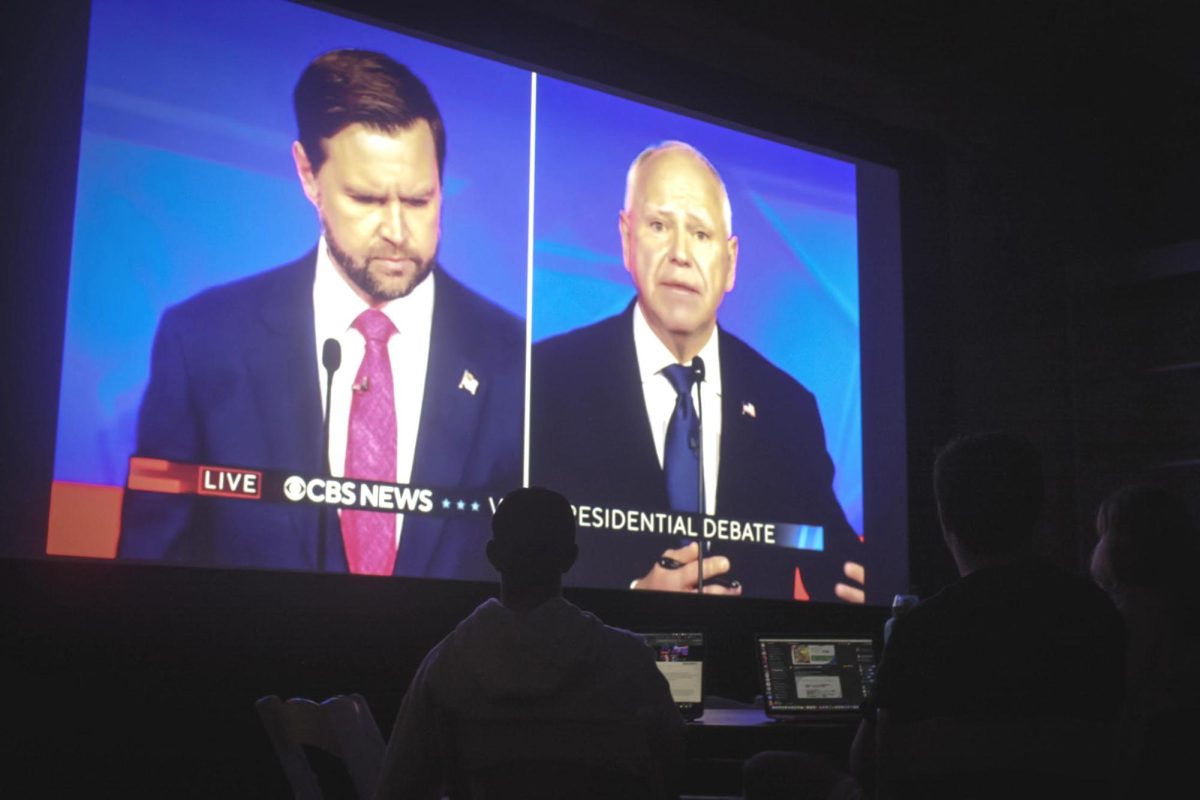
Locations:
(431, 388)
(659, 409)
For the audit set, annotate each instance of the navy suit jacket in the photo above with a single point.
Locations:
(590, 438)
(234, 381)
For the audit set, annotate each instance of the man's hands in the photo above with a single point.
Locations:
(852, 592)
(665, 576)
(676, 571)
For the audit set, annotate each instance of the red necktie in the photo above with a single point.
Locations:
(370, 536)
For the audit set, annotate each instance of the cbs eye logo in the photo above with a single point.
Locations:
(294, 488)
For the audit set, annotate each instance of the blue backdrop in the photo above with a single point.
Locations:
(796, 298)
(186, 181)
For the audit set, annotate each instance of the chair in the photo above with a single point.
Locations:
(342, 726)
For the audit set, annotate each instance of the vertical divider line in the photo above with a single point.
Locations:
(529, 273)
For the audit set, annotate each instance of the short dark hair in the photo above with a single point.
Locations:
(989, 491)
(342, 87)
(533, 534)
(1151, 538)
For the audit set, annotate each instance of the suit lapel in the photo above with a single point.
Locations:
(630, 435)
(283, 372)
(450, 414)
(739, 429)
(282, 369)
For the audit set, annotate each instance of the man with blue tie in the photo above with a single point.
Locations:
(659, 409)
(432, 388)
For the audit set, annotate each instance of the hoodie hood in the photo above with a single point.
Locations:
(498, 655)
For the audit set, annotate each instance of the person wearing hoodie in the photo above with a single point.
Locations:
(531, 679)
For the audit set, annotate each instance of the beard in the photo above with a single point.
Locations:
(372, 277)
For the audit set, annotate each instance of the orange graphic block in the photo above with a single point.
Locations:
(85, 520)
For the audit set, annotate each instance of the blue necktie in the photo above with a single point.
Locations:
(681, 455)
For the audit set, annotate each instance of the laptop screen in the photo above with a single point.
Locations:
(815, 675)
(680, 658)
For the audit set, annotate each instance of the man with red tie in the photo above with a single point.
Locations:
(431, 387)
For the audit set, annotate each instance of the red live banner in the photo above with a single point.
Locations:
(240, 483)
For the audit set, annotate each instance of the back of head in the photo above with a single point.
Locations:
(989, 492)
(1147, 538)
(344, 87)
(533, 536)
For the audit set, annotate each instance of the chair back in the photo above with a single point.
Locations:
(342, 726)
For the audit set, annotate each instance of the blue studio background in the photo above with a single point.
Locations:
(186, 181)
(795, 214)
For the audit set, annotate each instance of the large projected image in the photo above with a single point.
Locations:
(334, 290)
(189, 180)
(742, 252)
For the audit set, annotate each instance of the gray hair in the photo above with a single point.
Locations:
(671, 144)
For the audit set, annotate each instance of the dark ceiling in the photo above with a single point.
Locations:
(1107, 94)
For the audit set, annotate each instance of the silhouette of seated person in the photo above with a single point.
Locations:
(1010, 678)
(530, 696)
(1148, 547)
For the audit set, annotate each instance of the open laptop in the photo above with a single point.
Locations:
(680, 658)
(815, 678)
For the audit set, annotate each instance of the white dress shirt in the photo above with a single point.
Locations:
(653, 356)
(336, 305)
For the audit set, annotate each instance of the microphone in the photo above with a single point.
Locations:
(331, 359)
(331, 356)
(698, 374)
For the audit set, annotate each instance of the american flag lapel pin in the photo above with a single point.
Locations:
(469, 382)
(749, 411)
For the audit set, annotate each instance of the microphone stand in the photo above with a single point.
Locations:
(331, 359)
